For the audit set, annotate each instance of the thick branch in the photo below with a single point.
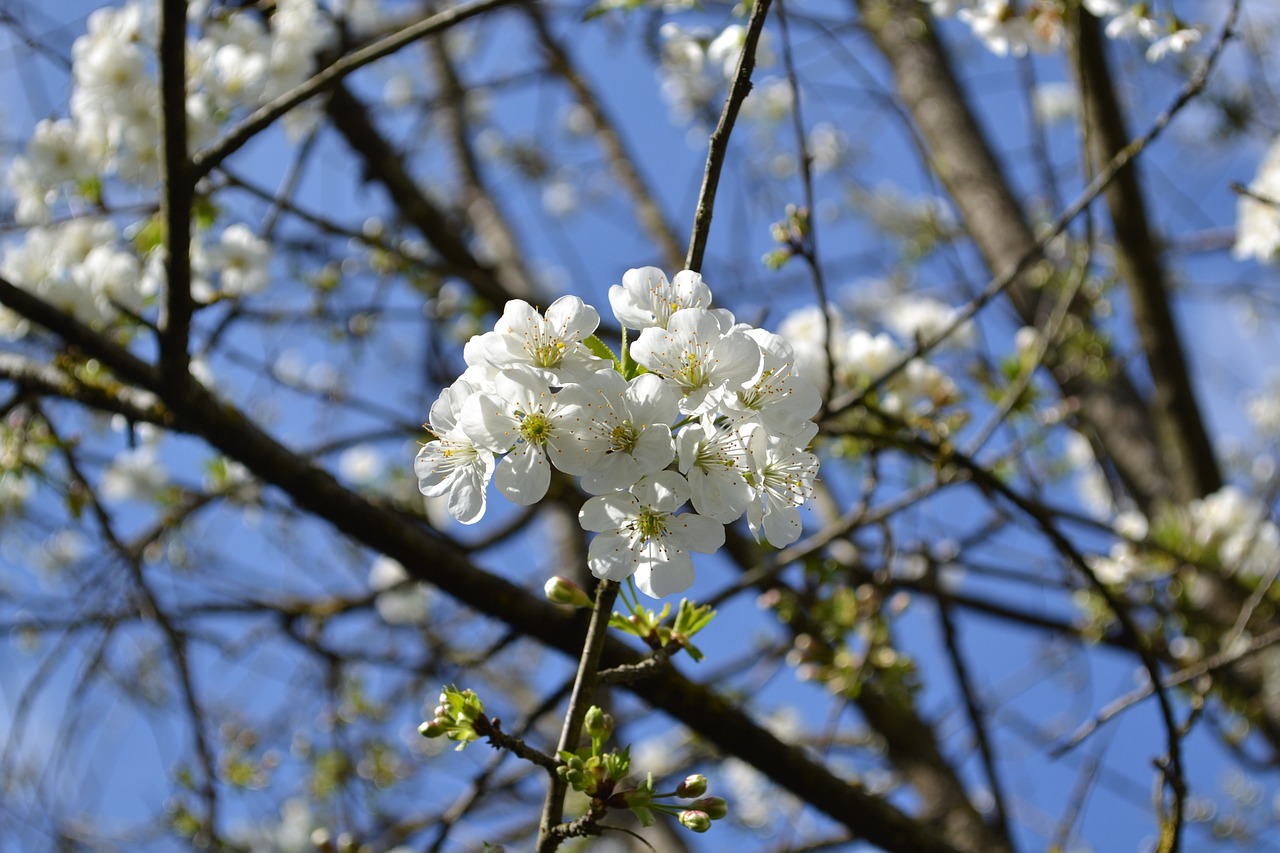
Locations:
(965, 163)
(1188, 453)
(176, 200)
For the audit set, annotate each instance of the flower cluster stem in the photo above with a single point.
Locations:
(583, 687)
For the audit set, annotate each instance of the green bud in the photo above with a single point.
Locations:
(599, 724)
(431, 728)
(693, 786)
(564, 591)
(695, 820)
(714, 807)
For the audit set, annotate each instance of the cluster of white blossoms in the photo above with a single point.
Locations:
(703, 420)
(861, 357)
(1229, 529)
(107, 148)
(1013, 27)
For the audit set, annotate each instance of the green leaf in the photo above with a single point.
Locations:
(601, 349)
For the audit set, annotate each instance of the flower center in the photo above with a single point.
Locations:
(651, 524)
(623, 438)
(548, 354)
(535, 428)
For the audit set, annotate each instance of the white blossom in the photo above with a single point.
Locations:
(523, 419)
(645, 298)
(551, 346)
(623, 432)
(697, 355)
(399, 600)
(782, 474)
(453, 465)
(716, 464)
(640, 534)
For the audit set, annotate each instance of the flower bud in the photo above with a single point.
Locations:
(564, 591)
(599, 725)
(693, 786)
(714, 807)
(695, 820)
(431, 728)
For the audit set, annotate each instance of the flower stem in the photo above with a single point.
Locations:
(583, 687)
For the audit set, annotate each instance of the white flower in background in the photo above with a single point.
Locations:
(135, 474)
(866, 357)
(640, 534)
(624, 431)
(399, 601)
(1133, 23)
(361, 464)
(827, 147)
(524, 417)
(697, 355)
(238, 260)
(1175, 42)
(1053, 103)
(716, 464)
(55, 155)
(452, 465)
(921, 386)
(947, 8)
(725, 49)
(805, 330)
(1258, 219)
(912, 316)
(781, 481)
(15, 489)
(1263, 410)
(559, 197)
(549, 346)
(1105, 8)
(645, 298)
(1237, 527)
(1000, 27)
(1091, 483)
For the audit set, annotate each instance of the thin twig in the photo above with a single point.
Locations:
(584, 686)
(719, 143)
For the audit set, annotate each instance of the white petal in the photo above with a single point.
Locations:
(696, 533)
(523, 475)
(608, 512)
(658, 579)
(611, 557)
(665, 491)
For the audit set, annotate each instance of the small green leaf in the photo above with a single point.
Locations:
(601, 349)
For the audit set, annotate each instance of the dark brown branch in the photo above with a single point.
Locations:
(584, 688)
(964, 161)
(175, 203)
(1188, 452)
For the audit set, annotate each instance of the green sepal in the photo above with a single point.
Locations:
(601, 349)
